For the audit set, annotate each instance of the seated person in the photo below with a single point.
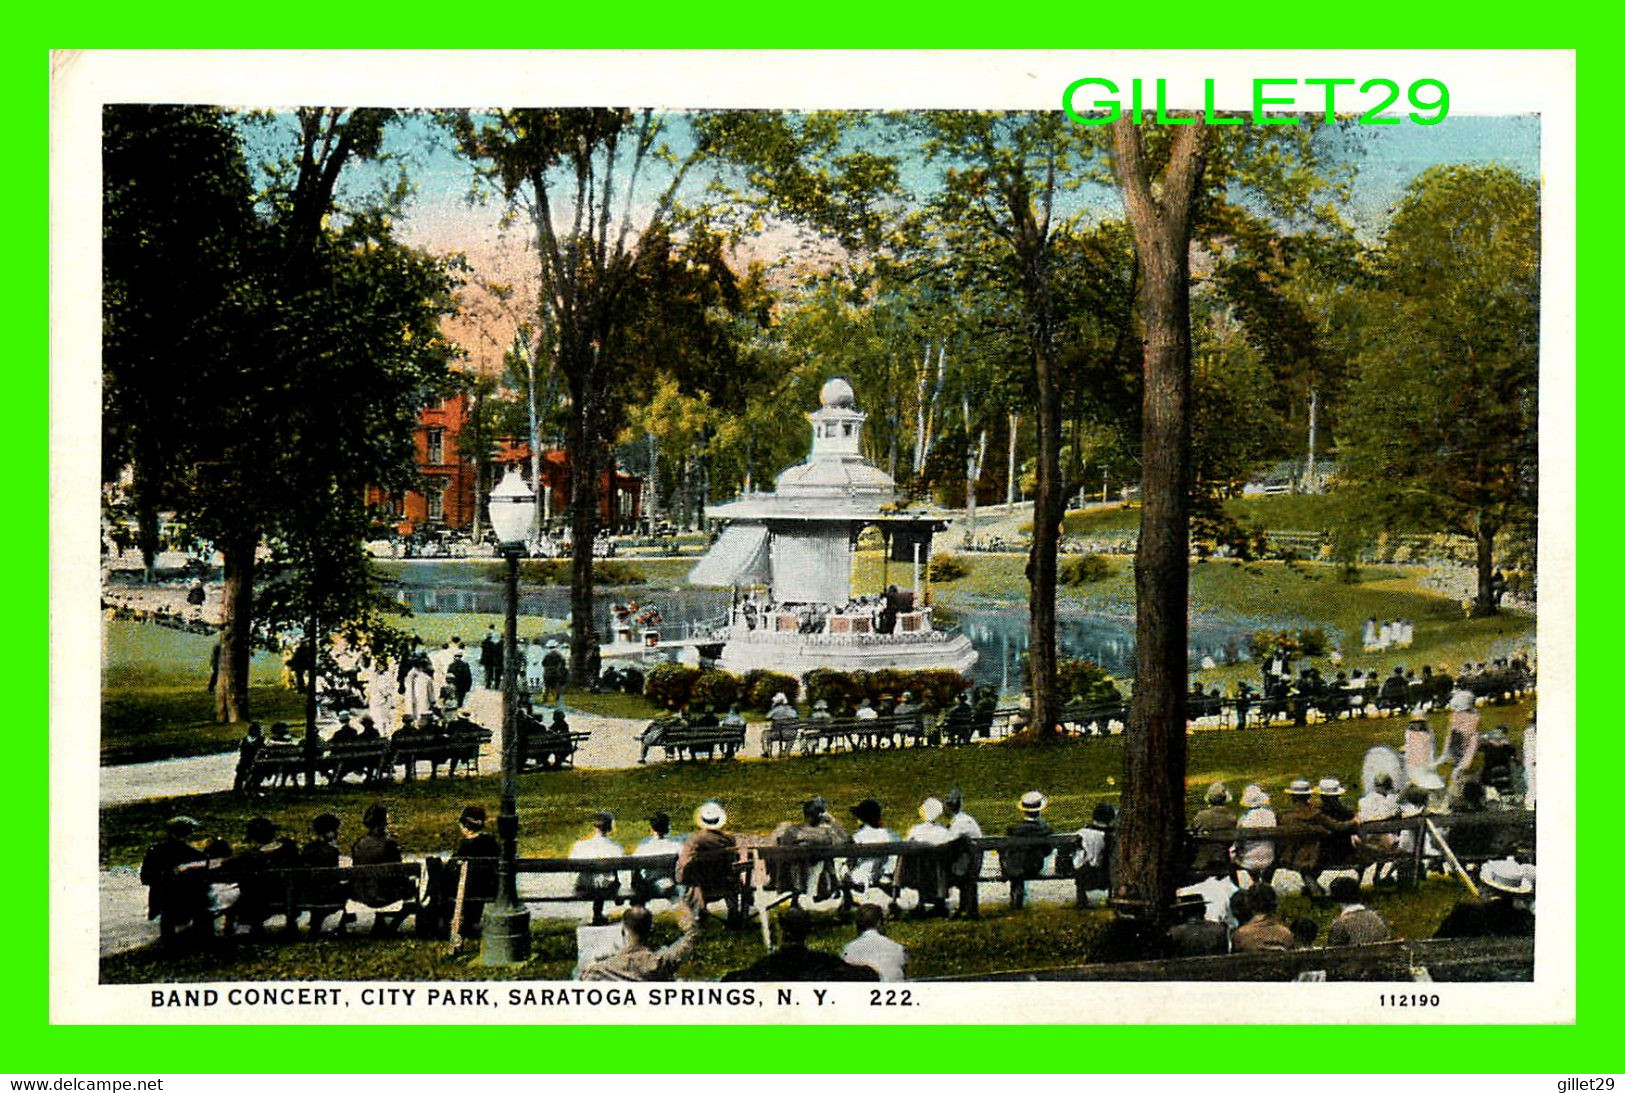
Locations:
(782, 727)
(1210, 855)
(385, 891)
(1195, 935)
(179, 903)
(637, 962)
(927, 873)
(660, 732)
(870, 873)
(262, 891)
(815, 879)
(1262, 931)
(960, 723)
(794, 962)
(1021, 864)
(461, 887)
(708, 862)
(324, 893)
(1091, 862)
(598, 887)
(656, 881)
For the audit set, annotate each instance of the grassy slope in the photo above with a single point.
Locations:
(155, 702)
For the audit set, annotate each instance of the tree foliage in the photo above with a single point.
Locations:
(1442, 429)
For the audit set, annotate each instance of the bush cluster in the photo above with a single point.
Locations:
(1309, 641)
(675, 686)
(1085, 682)
(1083, 569)
(606, 572)
(948, 567)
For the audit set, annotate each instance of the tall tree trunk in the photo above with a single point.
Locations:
(1041, 557)
(584, 462)
(1153, 824)
(236, 634)
(1484, 542)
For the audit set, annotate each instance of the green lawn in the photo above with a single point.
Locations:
(155, 698)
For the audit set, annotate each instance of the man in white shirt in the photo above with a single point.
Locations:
(927, 874)
(967, 867)
(599, 887)
(657, 882)
(873, 949)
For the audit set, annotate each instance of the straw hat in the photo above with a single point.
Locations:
(1033, 802)
(711, 816)
(930, 810)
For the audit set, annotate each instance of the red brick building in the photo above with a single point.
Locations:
(448, 498)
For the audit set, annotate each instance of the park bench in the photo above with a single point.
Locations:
(368, 758)
(463, 747)
(550, 750)
(678, 739)
(1484, 836)
(292, 892)
(856, 734)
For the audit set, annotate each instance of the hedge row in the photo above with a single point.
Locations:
(675, 686)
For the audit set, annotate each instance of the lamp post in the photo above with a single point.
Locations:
(505, 935)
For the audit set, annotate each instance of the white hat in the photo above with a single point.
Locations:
(710, 816)
(1331, 787)
(779, 699)
(1034, 801)
(1254, 797)
(1507, 875)
(1461, 699)
(930, 810)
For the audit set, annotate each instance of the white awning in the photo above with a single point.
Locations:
(739, 556)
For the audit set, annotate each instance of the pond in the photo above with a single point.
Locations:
(998, 633)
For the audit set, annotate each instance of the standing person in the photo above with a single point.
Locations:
(382, 890)
(708, 863)
(531, 666)
(966, 867)
(420, 690)
(459, 676)
(598, 887)
(247, 751)
(491, 658)
(1021, 864)
(873, 949)
(179, 903)
(555, 673)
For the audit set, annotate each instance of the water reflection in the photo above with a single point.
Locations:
(999, 634)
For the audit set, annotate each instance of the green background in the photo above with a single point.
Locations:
(29, 1044)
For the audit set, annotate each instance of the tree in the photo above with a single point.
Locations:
(577, 173)
(1177, 183)
(1442, 424)
(1160, 206)
(329, 349)
(177, 213)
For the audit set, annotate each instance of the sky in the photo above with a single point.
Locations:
(441, 217)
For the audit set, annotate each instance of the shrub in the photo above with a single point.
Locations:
(668, 685)
(605, 572)
(715, 688)
(1312, 641)
(1086, 682)
(761, 685)
(934, 688)
(842, 690)
(948, 567)
(1084, 569)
